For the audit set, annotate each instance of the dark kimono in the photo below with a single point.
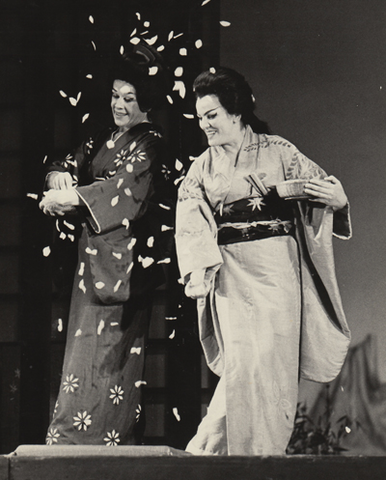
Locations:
(121, 252)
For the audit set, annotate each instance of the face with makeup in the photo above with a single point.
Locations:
(124, 106)
(220, 127)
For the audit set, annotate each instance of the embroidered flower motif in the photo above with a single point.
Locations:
(70, 384)
(166, 172)
(52, 436)
(138, 413)
(82, 421)
(227, 209)
(116, 394)
(256, 202)
(138, 156)
(155, 133)
(275, 227)
(90, 145)
(121, 157)
(112, 439)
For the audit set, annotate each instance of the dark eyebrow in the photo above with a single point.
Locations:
(209, 111)
(114, 90)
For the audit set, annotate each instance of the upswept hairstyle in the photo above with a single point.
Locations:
(142, 67)
(233, 92)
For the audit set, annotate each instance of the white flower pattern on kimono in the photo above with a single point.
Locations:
(116, 394)
(256, 202)
(112, 439)
(71, 383)
(138, 156)
(82, 421)
(52, 436)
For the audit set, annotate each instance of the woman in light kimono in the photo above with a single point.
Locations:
(261, 268)
(114, 185)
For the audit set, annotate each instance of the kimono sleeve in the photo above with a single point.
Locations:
(122, 198)
(298, 165)
(196, 229)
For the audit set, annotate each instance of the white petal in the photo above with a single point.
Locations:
(136, 350)
(160, 48)
(224, 23)
(62, 236)
(153, 70)
(45, 159)
(33, 195)
(138, 15)
(146, 24)
(179, 86)
(135, 40)
(198, 43)
(131, 244)
(90, 251)
(178, 72)
(178, 165)
(165, 228)
(183, 52)
(60, 325)
(178, 180)
(46, 251)
(133, 32)
(126, 223)
(64, 95)
(150, 242)
(151, 41)
(130, 268)
(91, 19)
(138, 383)
(204, 2)
(78, 97)
(176, 414)
(128, 192)
(170, 36)
(178, 35)
(89, 76)
(129, 168)
(71, 237)
(170, 100)
(114, 201)
(172, 335)
(117, 255)
(73, 101)
(85, 117)
(78, 333)
(165, 207)
(190, 116)
(120, 181)
(81, 269)
(121, 49)
(99, 285)
(93, 45)
(114, 324)
(69, 225)
(146, 262)
(212, 70)
(117, 285)
(101, 326)
(165, 260)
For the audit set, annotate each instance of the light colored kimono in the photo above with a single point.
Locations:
(274, 311)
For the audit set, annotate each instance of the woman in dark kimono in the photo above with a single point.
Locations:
(114, 184)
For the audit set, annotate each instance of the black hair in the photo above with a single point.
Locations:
(234, 94)
(143, 68)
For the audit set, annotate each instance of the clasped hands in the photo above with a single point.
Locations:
(61, 198)
(328, 191)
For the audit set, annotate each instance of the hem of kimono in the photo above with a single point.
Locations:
(95, 224)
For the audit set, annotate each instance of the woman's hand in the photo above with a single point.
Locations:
(197, 287)
(59, 181)
(59, 202)
(328, 191)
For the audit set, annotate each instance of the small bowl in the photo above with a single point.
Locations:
(292, 189)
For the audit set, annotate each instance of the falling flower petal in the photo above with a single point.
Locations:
(170, 36)
(128, 192)
(114, 324)
(78, 333)
(101, 326)
(117, 285)
(183, 52)
(114, 201)
(138, 383)
(33, 195)
(120, 181)
(147, 261)
(179, 86)
(62, 236)
(146, 24)
(129, 168)
(165, 207)
(178, 35)
(165, 228)
(73, 101)
(172, 335)
(78, 97)
(126, 223)
(138, 15)
(46, 251)
(82, 286)
(64, 95)
(45, 159)
(160, 48)
(90, 251)
(117, 255)
(178, 72)
(93, 45)
(85, 117)
(131, 244)
(178, 165)
(81, 269)
(153, 70)
(121, 49)
(135, 40)
(60, 325)
(170, 318)
(144, 33)
(134, 32)
(198, 43)
(204, 2)
(136, 350)
(170, 100)
(212, 70)
(151, 41)
(348, 429)
(71, 237)
(191, 158)
(165, 260)
(99, 285)
(175, 413)
(178, 180)
(224, 23)
(91, 19)
(89, 76)
(150, 242)
(130, 267)
(190, 116)
(68, 225)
